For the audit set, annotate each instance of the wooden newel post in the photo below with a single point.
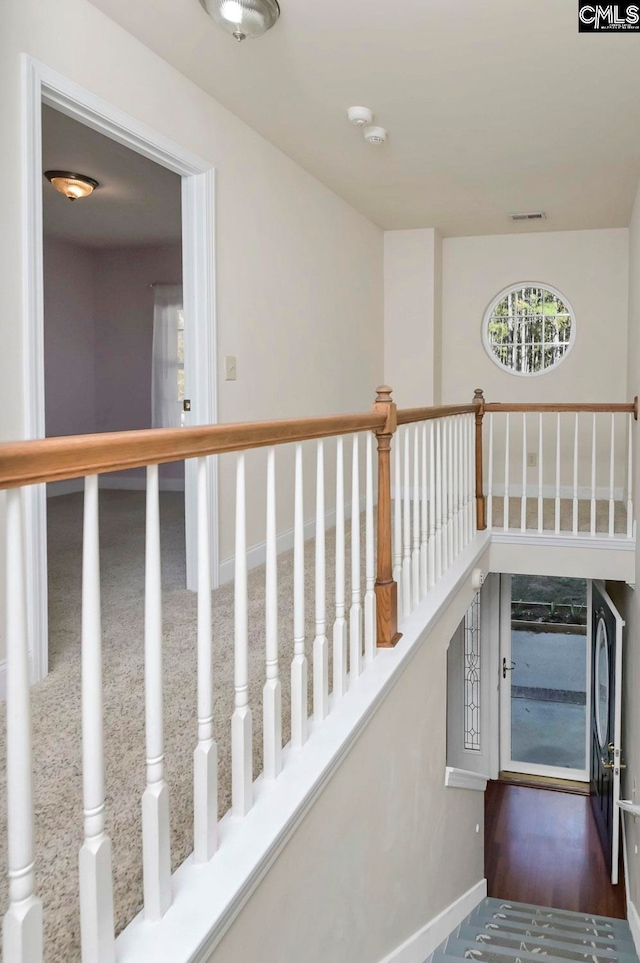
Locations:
(481, 512)
(386, 588)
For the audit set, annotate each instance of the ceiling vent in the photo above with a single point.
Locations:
(535, 216)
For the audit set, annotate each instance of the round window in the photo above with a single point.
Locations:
(602, 682)
(529, 329)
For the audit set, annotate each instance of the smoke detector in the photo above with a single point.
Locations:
(360, 116)
(375, 135)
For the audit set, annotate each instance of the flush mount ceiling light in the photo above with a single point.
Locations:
(71, 185)
(244, 18)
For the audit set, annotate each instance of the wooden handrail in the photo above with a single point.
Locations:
(409, 416)
(614, 408)
(58, 459)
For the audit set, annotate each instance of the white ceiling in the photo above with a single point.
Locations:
(137, 202)
(492, 106)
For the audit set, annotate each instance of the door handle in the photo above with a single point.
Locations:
(613, 765)
(506, 668)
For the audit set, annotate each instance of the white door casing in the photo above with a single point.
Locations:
(41, 85)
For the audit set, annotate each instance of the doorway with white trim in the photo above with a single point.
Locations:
(194, 181)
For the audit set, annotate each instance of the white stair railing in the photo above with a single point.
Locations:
(437, 502)
(575, 461)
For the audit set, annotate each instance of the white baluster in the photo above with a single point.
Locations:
(465, 481)
(431, 566)
(406, 530)
(205, 757)
(506, 476)
(424, 517)
(320, 642)
(22, 926)
(340, 624)
(450, 492)
(96, 879)
(540, 476)
(612, 493)
(355, 613)
(455, 477)
(156, 853)
(299, 669)
(473, 515)
(558, 473)
(575, 476)
(490, 476)
(630, 480)
(438, 501)
(445, 495)
(415, 554)
(397, 522)
(593, 477)
(523, 500)
(370, 565)
(272, 692)
(241, 720)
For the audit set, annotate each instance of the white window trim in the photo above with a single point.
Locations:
(516, 286)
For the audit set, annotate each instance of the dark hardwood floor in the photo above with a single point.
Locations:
(543, 847)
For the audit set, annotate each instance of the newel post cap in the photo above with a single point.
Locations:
(384, 405)
(478, 396)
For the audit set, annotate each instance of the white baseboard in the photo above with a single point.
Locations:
(464, 779)
(566, 491)
(257, 554)
(113, 483)
(423, 943)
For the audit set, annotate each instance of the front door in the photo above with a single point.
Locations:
(606, 713)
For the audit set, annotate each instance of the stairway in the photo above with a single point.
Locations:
(500, 931)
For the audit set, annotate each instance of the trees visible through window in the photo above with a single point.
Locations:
(528, 329)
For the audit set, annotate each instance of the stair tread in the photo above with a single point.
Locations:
(470, 949)
(552, 912)
(568, 950)
(457, 946)
(492, 901)
(619, 940)
(596, 927)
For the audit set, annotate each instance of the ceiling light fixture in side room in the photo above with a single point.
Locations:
(71, 185)
(244, 18)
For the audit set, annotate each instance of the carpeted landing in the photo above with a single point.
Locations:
(56, 701)
(501, 931)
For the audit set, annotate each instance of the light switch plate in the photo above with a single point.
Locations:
(230, 368)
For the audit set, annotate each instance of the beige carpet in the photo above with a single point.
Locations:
(56, 700)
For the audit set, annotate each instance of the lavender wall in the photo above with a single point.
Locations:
(69, 339)
(99, 334)
(124, 331)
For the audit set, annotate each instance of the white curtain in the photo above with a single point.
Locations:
(165, 405)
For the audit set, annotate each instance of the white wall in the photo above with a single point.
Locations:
(589, 267)
(412, 316)
(384, 849)
(299, 272)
